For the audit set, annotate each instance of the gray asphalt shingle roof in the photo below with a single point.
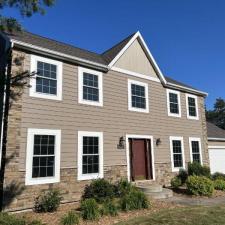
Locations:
(214, 131)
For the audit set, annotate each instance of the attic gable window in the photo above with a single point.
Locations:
(173, 103)
(48, 81)
(90, 87)
(192, 106)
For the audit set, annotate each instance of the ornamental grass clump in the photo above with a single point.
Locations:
(89, 209)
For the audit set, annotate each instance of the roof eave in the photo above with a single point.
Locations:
(215, 139)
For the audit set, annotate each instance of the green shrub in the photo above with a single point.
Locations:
(123, 187)
(176, 182)
(100, 190)
(48, 202)
(218, 176)
(71, 218)
(109, 208)
(134, 200)
(197, 169)
(199, 185)
(89, 209)
(219, 184)
(183, 175)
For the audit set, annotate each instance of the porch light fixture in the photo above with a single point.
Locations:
(158, 141)
(121, 144)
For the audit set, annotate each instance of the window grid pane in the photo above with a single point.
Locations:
(174, 105)
(177, 154)
(46, 79)
(195, 151)
(138, 96)
(192, 106)
(90, 87)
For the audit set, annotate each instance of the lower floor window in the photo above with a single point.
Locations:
(195, 146)
(43, 156)
(90, 155)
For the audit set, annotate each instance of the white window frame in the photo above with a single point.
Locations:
(130, 108)
(175, 138)
(187, 106)
(81, 176)
(34, 59)
(200, 148)
(168, 102)
(81, 71)
(29, 156)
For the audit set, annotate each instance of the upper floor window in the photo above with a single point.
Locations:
(173, 103)
(177, 153)
(195, 150)
(192, 106)
(138, 96)
(90, 87)
(48, 80)
(43, 156)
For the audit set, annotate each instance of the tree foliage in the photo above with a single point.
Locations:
(217, 115)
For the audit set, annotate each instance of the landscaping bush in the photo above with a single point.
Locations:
(219, 184)
(134, 200)
(89, 209)
(218, 176)
(176, 182)
(48, 202)
(100, 190)
(109, 208)
(123, 187)
(199, 185)
(197, 169)
(183, 175)
(71, 218)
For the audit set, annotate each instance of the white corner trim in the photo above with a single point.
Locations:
(128, 152)
(80, 175)
(215, 139)
(196, 105)
(29, 156)
(33, 67)
(168, 91)
(200, 148)
(145, 85)
(176, 169)
(216, 147)
(134, 74)
(81, 71)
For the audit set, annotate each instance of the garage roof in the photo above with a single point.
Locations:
(215, 132)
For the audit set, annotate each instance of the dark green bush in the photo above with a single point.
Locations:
(219, 184)
(197, 169)
(123, 187)
(199, 185)
(218, 176)
(134, 200)
(71, 218)
(109, 208)
(48, 202)
(176, 182)
(89, 209)
(100, 190)
(183, 175)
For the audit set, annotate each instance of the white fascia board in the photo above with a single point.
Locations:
(215, 139)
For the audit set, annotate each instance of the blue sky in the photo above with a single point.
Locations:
(186, 37)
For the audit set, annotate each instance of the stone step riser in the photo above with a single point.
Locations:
(150, 190)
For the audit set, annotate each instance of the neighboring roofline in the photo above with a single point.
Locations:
(57, 54)
(215, 139)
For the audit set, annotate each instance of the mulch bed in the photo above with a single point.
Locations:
(54, 218)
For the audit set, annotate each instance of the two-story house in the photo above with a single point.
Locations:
(88, 115)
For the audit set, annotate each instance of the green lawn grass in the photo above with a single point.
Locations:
(183, 216)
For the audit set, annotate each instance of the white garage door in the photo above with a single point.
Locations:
(217, 160)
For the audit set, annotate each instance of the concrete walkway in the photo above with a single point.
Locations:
(182, 200)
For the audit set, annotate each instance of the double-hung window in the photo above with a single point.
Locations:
(195, 149)
(192, 106)
(90, 155)
(43, 156)
(177, 153)
(90, 87)
(138, 96)
(173, 103)
(48, 80)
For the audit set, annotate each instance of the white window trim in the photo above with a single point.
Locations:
(33, 67)
(29, 156)
(81, 176)
(187, 106)
(168, 103)
(81, 71)
(175, 138)
(130, 108)
(200, 148)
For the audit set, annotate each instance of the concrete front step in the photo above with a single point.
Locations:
(150, 188)
(165, 193)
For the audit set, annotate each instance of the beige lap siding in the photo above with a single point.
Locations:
(113, 119)
(217, 143)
